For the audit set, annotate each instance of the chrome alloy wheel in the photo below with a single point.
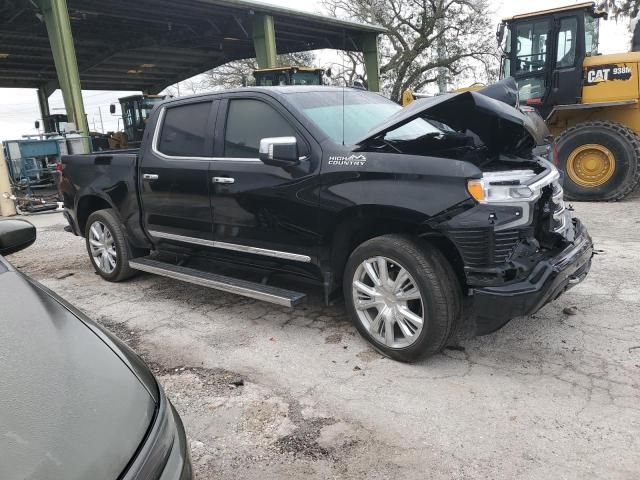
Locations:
(103, 247)
(388, 302)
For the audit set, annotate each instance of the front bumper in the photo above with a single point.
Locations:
(493, 307)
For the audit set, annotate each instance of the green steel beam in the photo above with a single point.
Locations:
(264, 40)
(56, 19)
(370, 51)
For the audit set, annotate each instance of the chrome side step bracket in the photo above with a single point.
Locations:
(267, 293)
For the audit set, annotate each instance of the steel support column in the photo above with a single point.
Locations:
(56, 19)
(43, 102)
(370, 51)
(264, 40)
(7, 207)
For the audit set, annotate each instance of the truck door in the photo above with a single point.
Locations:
(259, 208)
(174, 173)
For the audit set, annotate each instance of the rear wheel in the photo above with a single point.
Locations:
(600, 161)
(107, 246)
(403, 296)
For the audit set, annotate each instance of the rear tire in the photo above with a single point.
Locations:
(107, 246)
(600, 161)
(393, 301)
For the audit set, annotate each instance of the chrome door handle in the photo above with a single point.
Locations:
(223, 180)
(150, 176)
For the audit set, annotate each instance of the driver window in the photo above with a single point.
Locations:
(531, 46)
(567, 36)
(249, 121)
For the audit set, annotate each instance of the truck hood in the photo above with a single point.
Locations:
(70, 407)
(501, 128)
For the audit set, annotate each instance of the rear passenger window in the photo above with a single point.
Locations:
(249, 121)
(184, 130)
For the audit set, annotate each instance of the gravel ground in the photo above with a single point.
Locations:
(266, 392)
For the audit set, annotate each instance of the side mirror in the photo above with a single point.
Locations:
(500, 33)
(15, 235)
(112, 109)
(279, 151)
(37, 124)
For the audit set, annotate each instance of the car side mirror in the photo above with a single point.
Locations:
(112, 109)
(15, 235)
(279, 151)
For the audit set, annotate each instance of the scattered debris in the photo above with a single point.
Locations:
(334, 338)
(238, 382)
(356, 368)
(456, 348)
(570, 310)
(64, 275)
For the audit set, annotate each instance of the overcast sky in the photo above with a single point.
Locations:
(19, 107)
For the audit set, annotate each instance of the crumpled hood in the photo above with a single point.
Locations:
(499, 126)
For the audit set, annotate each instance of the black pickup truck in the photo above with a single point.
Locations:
(413, 215)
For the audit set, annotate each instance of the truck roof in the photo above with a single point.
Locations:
(273, 91)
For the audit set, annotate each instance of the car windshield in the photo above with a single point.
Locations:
(347, 116)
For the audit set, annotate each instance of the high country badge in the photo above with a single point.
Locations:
(350, 161)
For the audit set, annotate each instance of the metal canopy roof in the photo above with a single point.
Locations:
(150, 44)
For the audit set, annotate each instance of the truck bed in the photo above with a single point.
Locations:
(110, 177)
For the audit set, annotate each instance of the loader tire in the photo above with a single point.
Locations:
(599, 160)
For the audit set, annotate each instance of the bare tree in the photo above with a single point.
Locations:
(426, 37)
(626, 8)
(347, 70)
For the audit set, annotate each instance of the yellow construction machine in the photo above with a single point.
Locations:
(289, 75)
(590, 102)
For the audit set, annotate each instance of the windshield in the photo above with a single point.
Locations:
(305, 78)
(347, 116)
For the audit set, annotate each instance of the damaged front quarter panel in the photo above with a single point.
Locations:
(502, 238)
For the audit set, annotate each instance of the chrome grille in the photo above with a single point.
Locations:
(560, 214)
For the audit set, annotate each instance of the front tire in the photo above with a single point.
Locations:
(600, 161)
(107, 246)
(403, 296)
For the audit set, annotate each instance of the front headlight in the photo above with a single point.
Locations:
(503, 187)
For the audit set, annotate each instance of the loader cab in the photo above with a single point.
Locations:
(293, 75)
(136, 110)
(544, 51)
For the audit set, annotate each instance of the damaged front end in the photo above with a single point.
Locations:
(519, 245)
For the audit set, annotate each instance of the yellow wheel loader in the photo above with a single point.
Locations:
(590, 102)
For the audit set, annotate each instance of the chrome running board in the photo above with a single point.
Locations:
(267, 293)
